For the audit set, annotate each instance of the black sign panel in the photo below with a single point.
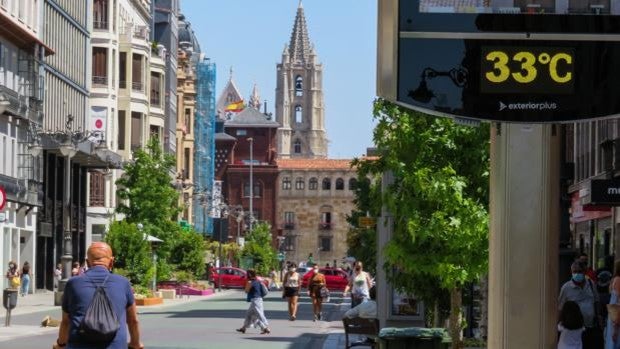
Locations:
(510, 80)
(605, 192)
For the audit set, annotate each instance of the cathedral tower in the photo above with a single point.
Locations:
(299, 97)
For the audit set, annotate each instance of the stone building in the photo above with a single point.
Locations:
(315, 193)
(314, 198)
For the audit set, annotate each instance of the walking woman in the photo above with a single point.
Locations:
(256, 314)
(360, 284)
(25, 278)
(317, 282)
(291, 290)
(612, 333)
(13, 275)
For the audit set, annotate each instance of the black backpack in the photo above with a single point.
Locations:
(100, 322)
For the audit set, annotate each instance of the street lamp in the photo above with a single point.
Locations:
(251, 140)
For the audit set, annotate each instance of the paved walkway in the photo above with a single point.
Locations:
(36, 306)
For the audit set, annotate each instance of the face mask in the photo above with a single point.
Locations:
(316, 270)
(578, 277)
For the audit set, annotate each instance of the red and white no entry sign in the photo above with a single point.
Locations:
(2, 197)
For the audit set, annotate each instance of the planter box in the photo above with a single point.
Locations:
(168, 294)
(149, 301)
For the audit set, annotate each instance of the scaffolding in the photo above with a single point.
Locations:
(204, 149)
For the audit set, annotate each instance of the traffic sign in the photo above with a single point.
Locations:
(366, 222)
(2, 197)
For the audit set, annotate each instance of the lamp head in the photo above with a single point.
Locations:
(422, 94)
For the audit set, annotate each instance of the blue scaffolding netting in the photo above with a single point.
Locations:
(204, 149)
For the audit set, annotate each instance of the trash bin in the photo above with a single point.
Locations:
(414, 338)
(9, 298)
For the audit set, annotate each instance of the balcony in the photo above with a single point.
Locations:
(137, 86)
(325, 226)
(141, 32)
(289, 225)
(100, 81)
(100, 25)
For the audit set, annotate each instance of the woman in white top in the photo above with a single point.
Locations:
(291, 290)
(359, 285)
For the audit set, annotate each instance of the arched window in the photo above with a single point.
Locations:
(299, 86)
(327, 184)
(313, 184)
(286, 183)
(339, 184)
(297, 146)
(298, 114)
(352, 184)
(300, 184)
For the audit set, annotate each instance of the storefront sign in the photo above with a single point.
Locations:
(605, 192)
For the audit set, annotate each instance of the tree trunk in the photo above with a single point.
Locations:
(436, 319)
(455, 318)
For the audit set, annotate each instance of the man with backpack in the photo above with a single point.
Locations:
(98, 307)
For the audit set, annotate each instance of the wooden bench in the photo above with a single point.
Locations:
(369, 327)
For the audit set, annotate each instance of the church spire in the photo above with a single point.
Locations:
(300, 42)
(255, 99)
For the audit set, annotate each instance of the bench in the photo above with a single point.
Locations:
(369, 327)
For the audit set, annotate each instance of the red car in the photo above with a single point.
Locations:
(336, 279)
(232, 277)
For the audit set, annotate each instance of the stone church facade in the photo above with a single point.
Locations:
(315, 193)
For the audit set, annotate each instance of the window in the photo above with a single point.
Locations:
(327, 184)
(136, 73)
(298, 116)
(188, 120)
(339, 184)
(297, 146)
(156, 90)
(326, 217)
(246, 189)
(352, 184)
(286, 183)
(122, 70)
(100, 14)
(300, 184)
(325, 243)
(289, 220)
(313, 184)
(136, 130)
(97, 189)
(289, 243)
(121, 130)
(186, 163)
(299, 86)
(242, 133)
(100, 67)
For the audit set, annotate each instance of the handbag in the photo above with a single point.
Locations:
(613, 312)
(324, 294)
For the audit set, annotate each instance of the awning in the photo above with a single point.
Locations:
(20, 36)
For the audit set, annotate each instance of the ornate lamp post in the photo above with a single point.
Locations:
(251, 140)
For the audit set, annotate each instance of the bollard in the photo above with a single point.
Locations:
(9, 301)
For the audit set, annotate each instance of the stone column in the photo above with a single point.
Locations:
(524, 236)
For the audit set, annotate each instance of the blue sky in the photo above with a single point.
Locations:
(250, 35)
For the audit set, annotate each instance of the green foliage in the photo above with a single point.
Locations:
(132, 252)
(189, 253)
(145, 189)
(258, 246)
(439, 199)
(362, 241)
(184, 276)
(142, 291)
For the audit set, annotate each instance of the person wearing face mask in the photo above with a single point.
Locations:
(291, 290)
(583, 292)
(359, 285)
(317, 282)
(13, 275)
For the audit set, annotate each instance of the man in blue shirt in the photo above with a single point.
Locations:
(79, 292)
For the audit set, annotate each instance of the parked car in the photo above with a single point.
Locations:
(232, 277)
(336, 279)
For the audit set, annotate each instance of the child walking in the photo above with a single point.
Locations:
(570, 326)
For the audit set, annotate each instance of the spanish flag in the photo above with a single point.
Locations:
(235, 106)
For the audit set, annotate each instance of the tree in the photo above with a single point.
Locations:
(259, 247)
(362, 241)
(439, 202)
(132, 252)
(145, 189)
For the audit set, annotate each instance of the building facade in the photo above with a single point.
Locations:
(314, 198)
(21, 54)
